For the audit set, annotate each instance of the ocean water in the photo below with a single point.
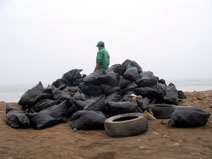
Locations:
(12, 93)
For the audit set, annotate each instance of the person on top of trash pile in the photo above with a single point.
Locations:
(103, 58)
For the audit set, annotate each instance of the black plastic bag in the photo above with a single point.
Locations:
(110, 78)
(123, 83)
(112, 90)
(59, 83)
(31, 95)
(71, 76)
(147, 79)
(98, 104)
(79, 96)
(131, 74)
(105, 88)
(117, 68)
(61, 95)
(76, 105)
(57, 111)
(78, 81)
(153, 92)
(91, 90)
(83, 103)
(72, 109)
(130, 63)
(72, 90)
(115, 97)
(88, 120)
(42, 120)
(181, 95)
(187, 116)
(93, 78)
(143, 104)
(16, 118)
(162, 81)
(116, 108)
(171, 96)
(126, 95)
(43, 104)
(130, 87)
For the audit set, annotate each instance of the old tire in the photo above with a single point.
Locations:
(124, 125)
(162, 111)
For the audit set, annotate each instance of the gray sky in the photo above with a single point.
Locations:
(42, 39)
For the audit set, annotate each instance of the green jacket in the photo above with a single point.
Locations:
(103, 58)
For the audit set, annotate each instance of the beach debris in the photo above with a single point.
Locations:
(89, 100)
(88, 120)
(15, 118)
(42, 120)
(188, 116)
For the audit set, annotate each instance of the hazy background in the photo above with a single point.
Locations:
(42, 39)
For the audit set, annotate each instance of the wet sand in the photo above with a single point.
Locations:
(61, 142)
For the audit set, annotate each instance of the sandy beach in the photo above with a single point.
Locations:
(61, 142)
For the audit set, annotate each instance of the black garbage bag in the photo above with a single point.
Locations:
(76, 105)
(105, 87)
(83, 103)
(88, 120)
(181, 95)
(117, 68)
(116, 108)
(162, 81)
(30, 96)
(93, 78)
(42, 96)
(72, 90)
(107, 90)
(130, 87)
(123, 83)
(115, 97)
(91, 90)
(72, 108)
(126, 95)
(71, 76)
(16, 118)
(61, 95)
(130, 63)
(79, 96)
(42, 120)
(153, 92)
(112, 90)
(147, 79)
(131, 74)
(110, 78)
(43, 104)
(171, 96)
(144, 104)
(78, 81)
(46, 94)
(57, 111)
(188, 116)
(59, 83)
(98, 104)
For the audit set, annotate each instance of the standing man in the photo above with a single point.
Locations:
(103, 58)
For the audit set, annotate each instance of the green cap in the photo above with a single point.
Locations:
(100, 43)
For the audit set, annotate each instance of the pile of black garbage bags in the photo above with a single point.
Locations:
(89, 100)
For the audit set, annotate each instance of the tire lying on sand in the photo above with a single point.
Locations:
(162, 111)
(124, 125)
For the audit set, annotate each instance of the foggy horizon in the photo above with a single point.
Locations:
(42, 40)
